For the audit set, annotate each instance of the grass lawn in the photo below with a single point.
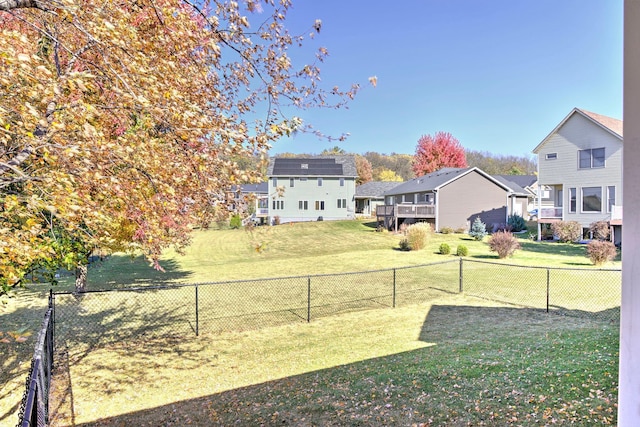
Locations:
(456, 361)
(290, 250)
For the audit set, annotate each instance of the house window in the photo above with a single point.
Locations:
(319, 182)
(342, 203)
(341, 182)
(291, 182)
(551, 156)
(572, 200)
(591, 199)
(278, 204)
(319, 205)
(303, 205)
(591, 158)
(611, 198)
(559, 198)
(274, 182)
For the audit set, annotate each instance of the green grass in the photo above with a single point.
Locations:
(457, 361)
(290, 250)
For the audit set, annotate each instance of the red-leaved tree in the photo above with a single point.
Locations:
(436, 152)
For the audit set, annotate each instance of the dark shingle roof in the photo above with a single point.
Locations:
(523, 181)
(313, 166)
(428, 182)
(253, 188)
(375, 188)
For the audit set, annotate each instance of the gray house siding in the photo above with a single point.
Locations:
(468, 197)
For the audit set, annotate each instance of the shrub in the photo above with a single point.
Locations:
(462, 250)
(445, 249)
(404, 245)
(478, 229)
(276, 220)
(567, 231)
(504, 243)
(600, 230)
(446, 230)
(600, 251)
(235, 221)
(461, 230)
(517, 223)
(417, 235)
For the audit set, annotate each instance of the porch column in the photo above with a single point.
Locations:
(629, 376)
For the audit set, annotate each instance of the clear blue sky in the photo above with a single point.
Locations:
(498, 75)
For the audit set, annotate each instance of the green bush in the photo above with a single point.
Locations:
(478, 229)
(445, 249)
(404, 245)
(462, 250)
(446, 230)
(516, 223)
(567, 231)
(417, 235)
(600, 230)
(235, 221)
(600, 251)
(504, 243)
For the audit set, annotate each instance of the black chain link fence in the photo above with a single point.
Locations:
(34, 409)
(96, 318)
(107, 316)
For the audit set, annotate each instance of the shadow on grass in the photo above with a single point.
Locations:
(428, 385)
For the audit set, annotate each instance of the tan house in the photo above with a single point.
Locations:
(454, 198)
(580, 172)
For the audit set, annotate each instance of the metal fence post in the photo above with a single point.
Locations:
(197, 313)
(394, 288)
(460, 287)
(308, 299)
(548, 282)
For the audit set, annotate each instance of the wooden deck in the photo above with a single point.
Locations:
(390, 214)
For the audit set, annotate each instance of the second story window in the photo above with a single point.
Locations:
(291, 182)
(341, 182)
(551, 156)
(591, 158)
(319, 182)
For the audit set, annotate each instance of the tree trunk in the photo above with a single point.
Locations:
(23, 4)
(81, 277)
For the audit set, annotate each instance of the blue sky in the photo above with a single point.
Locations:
(498, 75)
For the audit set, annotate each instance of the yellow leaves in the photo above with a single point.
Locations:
(23, 57)
(373, 80)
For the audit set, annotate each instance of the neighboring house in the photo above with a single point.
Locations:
(580, 172)
(370, 195)
(312, 188)
(453, 198)
(526, 184)
(252, 200)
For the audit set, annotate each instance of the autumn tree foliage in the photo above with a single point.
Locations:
(437, 152)
(122, 123)
(365, 172)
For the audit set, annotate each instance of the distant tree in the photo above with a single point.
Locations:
(437, 152)
(398, 163)
(389, 176)
(365, 172)
(500, 164)
(335, 151)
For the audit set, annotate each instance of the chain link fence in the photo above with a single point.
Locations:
(34, 408)
(116, 315)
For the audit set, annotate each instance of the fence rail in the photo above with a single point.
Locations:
(94, 318)
(34, 409)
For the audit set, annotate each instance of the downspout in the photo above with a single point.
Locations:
(436, 209)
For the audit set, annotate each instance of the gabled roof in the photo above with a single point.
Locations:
(313, 166)
(375, 189)
(609, 124)
(517, 183)
(438, 179)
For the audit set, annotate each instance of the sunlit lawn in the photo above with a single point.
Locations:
(291, 250)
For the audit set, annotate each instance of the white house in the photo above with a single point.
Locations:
(311, 188)
(580, 172)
